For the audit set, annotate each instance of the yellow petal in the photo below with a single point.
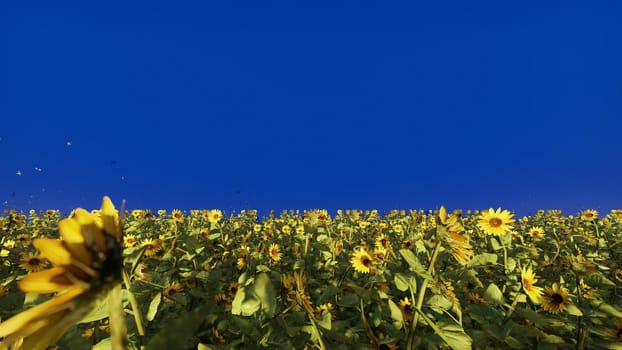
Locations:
(54, 250)
(443, 214)
(74, 240)
(39, 330)
(93, 235)
(110, 218)
(19, 322)
(46, 281)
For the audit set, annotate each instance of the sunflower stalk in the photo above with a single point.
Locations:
(580, 330)
(370, 332)
(135, 310)
(421, 297)
(512, 306)
(118, 329)
(505, 255)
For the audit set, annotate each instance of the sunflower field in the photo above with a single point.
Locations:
(416, 279)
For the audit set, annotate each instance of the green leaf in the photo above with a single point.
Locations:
(213, 236)
(452, 334)
(153, 306)
(571, 309)
(176, 333)
(495, 244)
(325, 320)
(396, 314)
(438, 303)
(414, 263)
(202, 346)
(608, 309)
(103, 345)
(483, 259)
(403, 281)
(100, 311)
(494, 294)
(243, 304)
(266, 293)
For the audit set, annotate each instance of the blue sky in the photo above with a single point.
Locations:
(291, 105)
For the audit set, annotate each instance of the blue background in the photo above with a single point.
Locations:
(355, 104)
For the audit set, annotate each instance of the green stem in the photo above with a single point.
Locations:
(505, 255)
(422, 290)
(513, 306)
(118, 330)
(371, 334)
(580, 330)
(135, 310)
(316, 331)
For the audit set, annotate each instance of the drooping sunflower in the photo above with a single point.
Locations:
(461, 248)
(555, 299)
(495, 222)
(87, 263)
(528, 279)
(361, 261)
(449, 232)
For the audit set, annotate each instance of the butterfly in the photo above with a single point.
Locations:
(87, 263)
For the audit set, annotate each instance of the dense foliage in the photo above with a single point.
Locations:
(360, 279)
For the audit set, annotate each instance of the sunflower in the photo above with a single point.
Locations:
(23, 239)
(87, 263)
(275, 252)
(407, 244)
(495, 222)
(233, 289)
(555, 299)
(9, 244)
(528, 278)
(361, 261)
(406, 307)
(328, 307)
(461, 248)
(152, 246)
(589, 215)
(171, 290)
(214, 216)
(536, 232)
(129, 240)
(32, 262)
(177, 215)
(142, 272)
(449, 232)
(380, 253)
(617, 213)
(382, 241)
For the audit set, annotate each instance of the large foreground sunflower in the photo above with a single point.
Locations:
(87, 263)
